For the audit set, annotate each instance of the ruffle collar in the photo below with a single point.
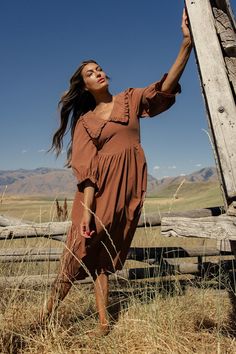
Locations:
(119, 114)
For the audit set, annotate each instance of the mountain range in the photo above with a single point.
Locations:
(61, 182)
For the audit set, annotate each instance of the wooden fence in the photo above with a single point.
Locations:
(201, 261)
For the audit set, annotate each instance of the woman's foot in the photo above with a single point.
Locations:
(101, 331)
(104, 329)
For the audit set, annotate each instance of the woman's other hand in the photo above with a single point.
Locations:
(89, 190)
(85, 225)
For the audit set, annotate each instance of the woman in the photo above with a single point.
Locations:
(109, 163)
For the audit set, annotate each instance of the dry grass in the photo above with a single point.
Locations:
(195, 321)
(171, 317)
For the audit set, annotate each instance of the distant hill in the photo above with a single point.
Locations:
(205, 175)
(61, 182)
(41, 181)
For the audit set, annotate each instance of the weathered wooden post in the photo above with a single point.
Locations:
(213, 31)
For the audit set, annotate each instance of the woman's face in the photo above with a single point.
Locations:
(94, 78)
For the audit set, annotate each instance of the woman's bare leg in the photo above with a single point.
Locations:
(101, 287)
(59, 291)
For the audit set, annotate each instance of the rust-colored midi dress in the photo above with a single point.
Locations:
(108, 152)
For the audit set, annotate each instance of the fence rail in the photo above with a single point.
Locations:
(157, 261)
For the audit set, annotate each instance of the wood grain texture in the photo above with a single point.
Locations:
(217, 90)
(219, 227)
(226, 32)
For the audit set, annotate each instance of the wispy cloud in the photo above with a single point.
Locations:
(156, 168)
(182, 174)
(24, 151)
(198, 165)
(172, 167)
(41, 150)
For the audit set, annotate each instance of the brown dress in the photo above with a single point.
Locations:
(108, 152)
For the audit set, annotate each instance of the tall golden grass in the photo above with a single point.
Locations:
(191, 320)
(170, 316)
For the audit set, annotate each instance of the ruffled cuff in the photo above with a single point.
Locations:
(157, 88)
(156, 101)
(85, 175)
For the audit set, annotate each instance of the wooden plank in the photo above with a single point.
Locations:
(226, 32)
(58, 230)
(29, 251)
(30, 258)
(231, 67)
(26, 280)
(48, 279)
(157, 253)
(203, 269)
(220, 227)
(217, 91)
(226, 28)
(226, 7)
(10, 221)
(144, 254)
(137, 253)
(170, 267)
(35, 230)
(22, 255)
(154, 219)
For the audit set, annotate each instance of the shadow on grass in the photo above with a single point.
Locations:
(11, 343)
(229, 329)
(145, 292)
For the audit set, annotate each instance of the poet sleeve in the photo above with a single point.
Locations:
(84, 161)
(151, 101)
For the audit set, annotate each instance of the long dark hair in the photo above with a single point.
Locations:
(75, 102)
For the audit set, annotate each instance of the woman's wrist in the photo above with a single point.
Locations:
(87, 211)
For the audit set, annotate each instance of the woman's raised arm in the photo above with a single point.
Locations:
(177, 68)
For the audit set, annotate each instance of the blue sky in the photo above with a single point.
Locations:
(43, 42)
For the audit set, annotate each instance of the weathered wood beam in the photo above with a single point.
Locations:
(154, 219)
(30, 258)
(36, 230)
(226, 32)
(48, 279)
(221, 227)
(147, 254)
(173, 267)
(170, 267)
(26, 280)
(29, 251)
(226, 28)
(231, 66)
(217, 91)
(58, 230)
(158, 253)
(204, 269)
(226, 7)
(22, 255)
(10, 221)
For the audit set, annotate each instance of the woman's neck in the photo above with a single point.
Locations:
(103, 98)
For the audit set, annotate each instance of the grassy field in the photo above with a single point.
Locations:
(189, 196)
(172, 315)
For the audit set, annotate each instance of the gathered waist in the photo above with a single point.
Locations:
(135, 147)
